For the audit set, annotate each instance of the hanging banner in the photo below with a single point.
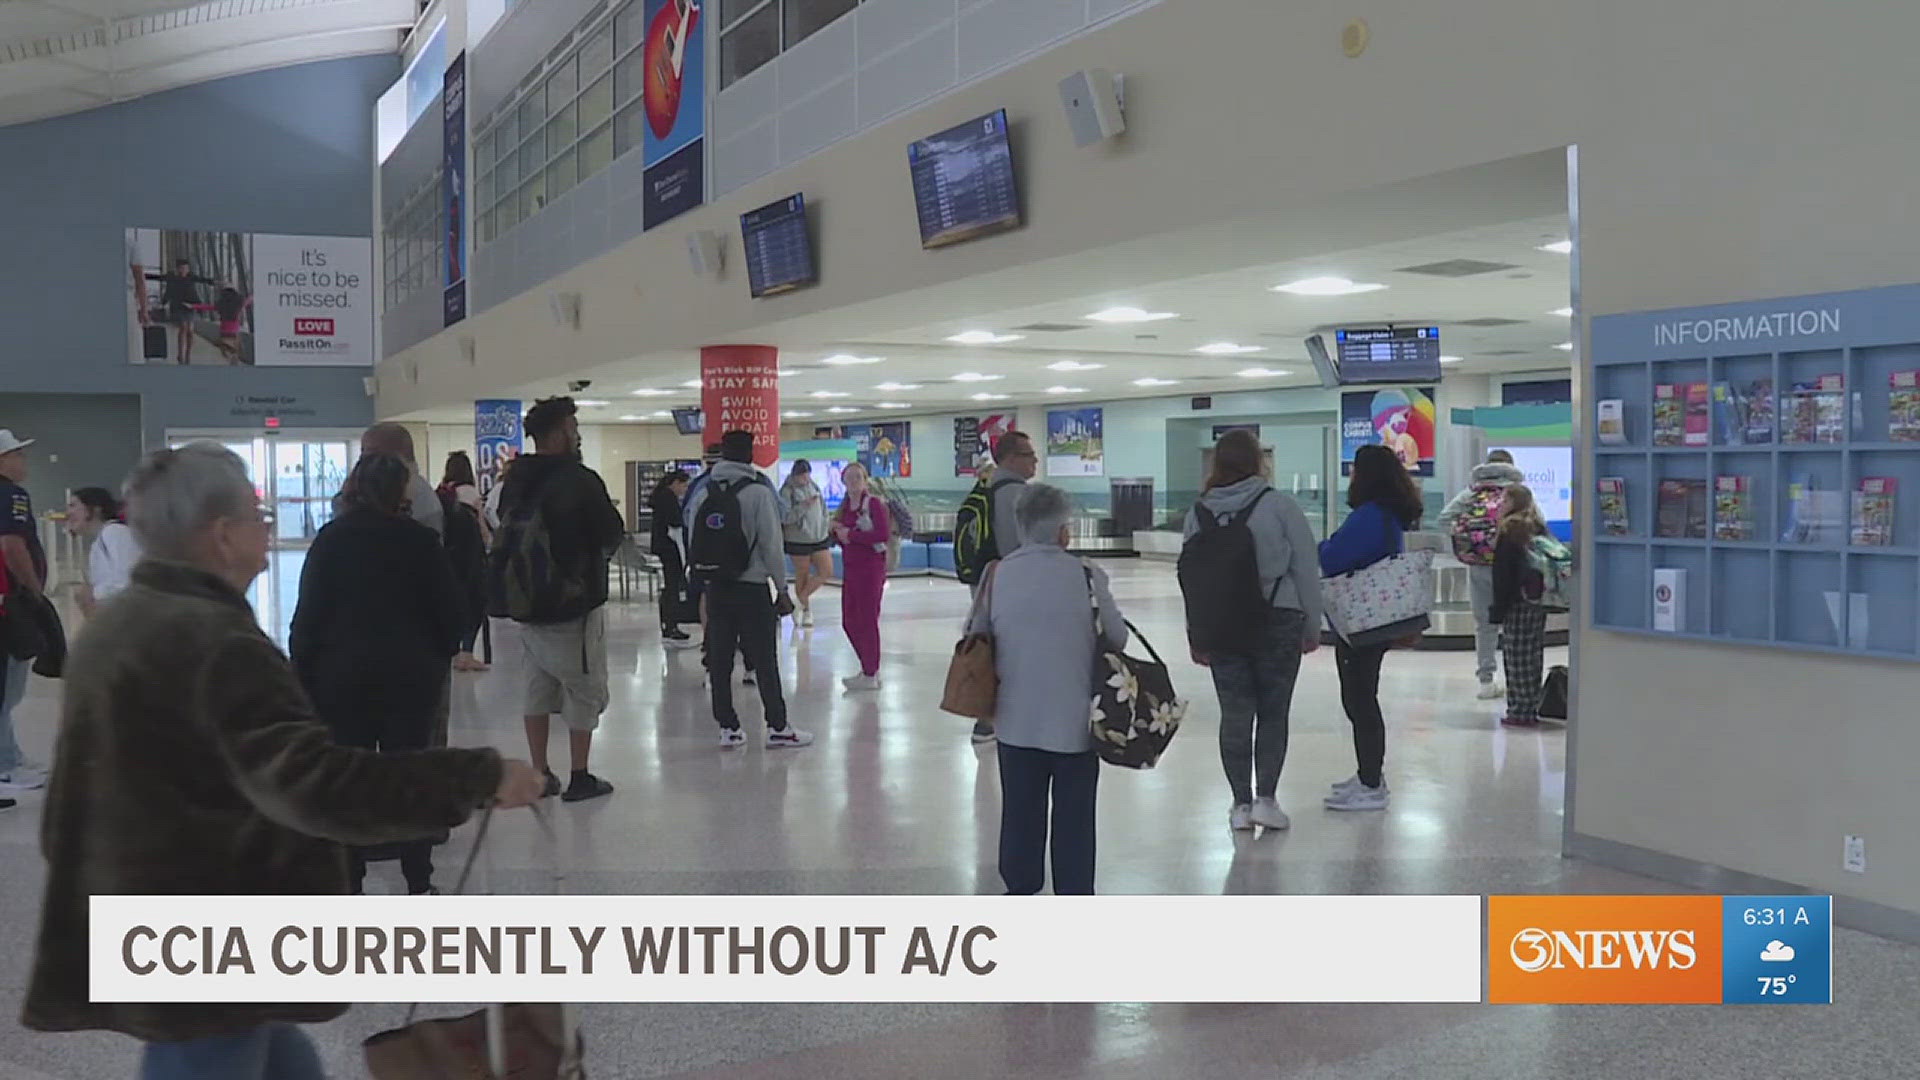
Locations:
(496, 440)
(1401, 419)
(1075, 446)
(674, 98)
(226, 298)
(740, 391)
(966, 445)
(453, 185)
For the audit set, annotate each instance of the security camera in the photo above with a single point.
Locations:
(578, 385)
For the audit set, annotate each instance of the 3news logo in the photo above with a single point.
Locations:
(1659, 949)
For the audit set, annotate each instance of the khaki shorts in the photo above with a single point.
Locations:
(567, 669)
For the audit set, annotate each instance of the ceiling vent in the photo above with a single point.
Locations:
(1490, 321)
(1457, 268)
(1051, 327)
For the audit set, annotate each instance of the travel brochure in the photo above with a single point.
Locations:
(1732, 513)
(1903, 407)
(1669, 415)
(1613, 505)
(1682, 510)
(1613, 422)
(1743, 413)
(1873, 511)
(1815, 411)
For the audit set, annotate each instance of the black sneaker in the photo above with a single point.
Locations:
(585, 786)
(553, 786)
(674, 633)
(8, 804)
(747, 679)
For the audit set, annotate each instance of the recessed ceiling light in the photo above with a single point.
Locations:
(1066, 389)
(1150, 381)
(848, 359)
(982, 337)
(842, 409)
(893, 405)
(693, 384)
(1226, 348)
(1565, 312)
(989, 397)
(1073, 365)
(1565, 346)
(631, 418)
(1130, 315)
(591, 403)
(1559, 247)
(1327, 286)
(974, 376)
(1262, 373)
(796, 415)
(788, 373)
(1452, 359)
(827, 394)
(898, 386)
(662, 414)
(648, 391)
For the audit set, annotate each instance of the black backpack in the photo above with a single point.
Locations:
(466, 546)
(974, 545)
(718, 549)
(1220, 580)
(1553, 693)
(526, 581)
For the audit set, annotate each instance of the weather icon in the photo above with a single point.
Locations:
(1777, 952)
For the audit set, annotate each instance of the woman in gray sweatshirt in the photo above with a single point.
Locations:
(1255, 684)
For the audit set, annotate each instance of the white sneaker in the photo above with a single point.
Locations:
(1240, 818)
(1359, 797)
(1268, 815)
(25, 778)
(857, 683)
(983, 732)
(1491, 691)
(806, 616)
(788, 738)
(1352, 782)
(732, 738)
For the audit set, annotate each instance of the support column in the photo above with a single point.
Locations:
(740, 391)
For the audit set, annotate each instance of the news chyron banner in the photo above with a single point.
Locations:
(1171, 949)
(1667, 950)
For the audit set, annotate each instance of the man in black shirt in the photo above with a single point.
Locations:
(26, 564)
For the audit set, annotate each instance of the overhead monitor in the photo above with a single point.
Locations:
(1394, 354)
(690, 421)
(779, 248)
(963, 183)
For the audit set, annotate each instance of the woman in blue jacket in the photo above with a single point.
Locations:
(1384, 504)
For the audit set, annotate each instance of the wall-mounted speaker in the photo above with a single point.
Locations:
(469, 350)
(371, 385)
(706, 253)
(566, 309)
(1095, 109)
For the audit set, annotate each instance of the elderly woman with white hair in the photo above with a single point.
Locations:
(190, 762)
(1044, 608)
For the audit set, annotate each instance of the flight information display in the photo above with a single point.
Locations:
(1400, 354)
(963, 182)
(778, 246)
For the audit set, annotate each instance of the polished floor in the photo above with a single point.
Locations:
(894, 799)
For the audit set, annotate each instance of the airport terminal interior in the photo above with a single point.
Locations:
(890, 233)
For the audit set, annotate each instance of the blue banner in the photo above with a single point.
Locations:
(453, 185)
(496, 440)
(674, 99)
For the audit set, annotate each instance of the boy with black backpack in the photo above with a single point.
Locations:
(736, 553)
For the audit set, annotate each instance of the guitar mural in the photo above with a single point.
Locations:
(665, 62)
(673, 86)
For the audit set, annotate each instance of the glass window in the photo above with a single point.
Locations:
(532, 111)
(629, 26)
(597, 52)
(506, 174)
(509, 214)
(563, 83)
(533, 157)
(629, 128)
(732, 11)
(533, 197)
(561, 175)
(747, 46)
(597, 103)
(804, 17)
(629, 77)
(507, 134)
(560, 131)
(596, 151)
(483, 191)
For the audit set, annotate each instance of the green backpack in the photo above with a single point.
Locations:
(1553, 562)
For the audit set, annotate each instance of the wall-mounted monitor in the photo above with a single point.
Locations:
(690, 421)
(1394, 354)
(779, 248)
(963, 183)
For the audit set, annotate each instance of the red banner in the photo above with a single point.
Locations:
(740, 391)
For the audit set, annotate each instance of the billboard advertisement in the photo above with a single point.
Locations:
(249, 298)
(740, 391)
(453, 185)
(1075, 444)
(674, 99)
(1401, 418)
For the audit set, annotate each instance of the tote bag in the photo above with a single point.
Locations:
(1135, 712)
(1384, 602)
(973, 683)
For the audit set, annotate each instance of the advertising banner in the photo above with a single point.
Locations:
(1075, 446)
(740, 391)
(889, 451)
(243, 298)
(1401, 419)
(674, 99)
(496, 440)
(966, 445)
(453, 139)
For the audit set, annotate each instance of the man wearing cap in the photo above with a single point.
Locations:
(27, 570)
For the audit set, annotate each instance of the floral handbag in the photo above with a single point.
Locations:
(1382, 603)
(1135, 711)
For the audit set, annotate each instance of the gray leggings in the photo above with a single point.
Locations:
(1256, 695)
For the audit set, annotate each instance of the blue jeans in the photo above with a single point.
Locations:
(268, 1052)
(16, 674)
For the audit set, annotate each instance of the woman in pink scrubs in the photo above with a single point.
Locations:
(862, 528)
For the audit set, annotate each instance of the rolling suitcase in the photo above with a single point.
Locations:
(153, 342)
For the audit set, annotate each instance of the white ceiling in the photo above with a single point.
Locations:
(62, 56)
(1234, 306)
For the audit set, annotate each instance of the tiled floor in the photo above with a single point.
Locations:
(894, 799)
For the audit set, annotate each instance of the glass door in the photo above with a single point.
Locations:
(307, 474)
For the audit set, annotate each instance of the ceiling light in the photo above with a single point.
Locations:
(693, 384)
(848, 359)
(1262, 373)
(827, 394)
(630, 419)
(1565, 312)
(1327, 286)
(591, 403)
(842, 410)
(897, 386)
(1073, 365)
(989, 397)
(1565, 346)
(788, 373)
(662, 414)
(1226, 348)
(1150, 381)
(648, 391)
(893, 405)
(982, 337)
(1066, 390)
(974, 376)
(1130, 315)
(796, 415)
(1559, 247)
(1452, 359)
